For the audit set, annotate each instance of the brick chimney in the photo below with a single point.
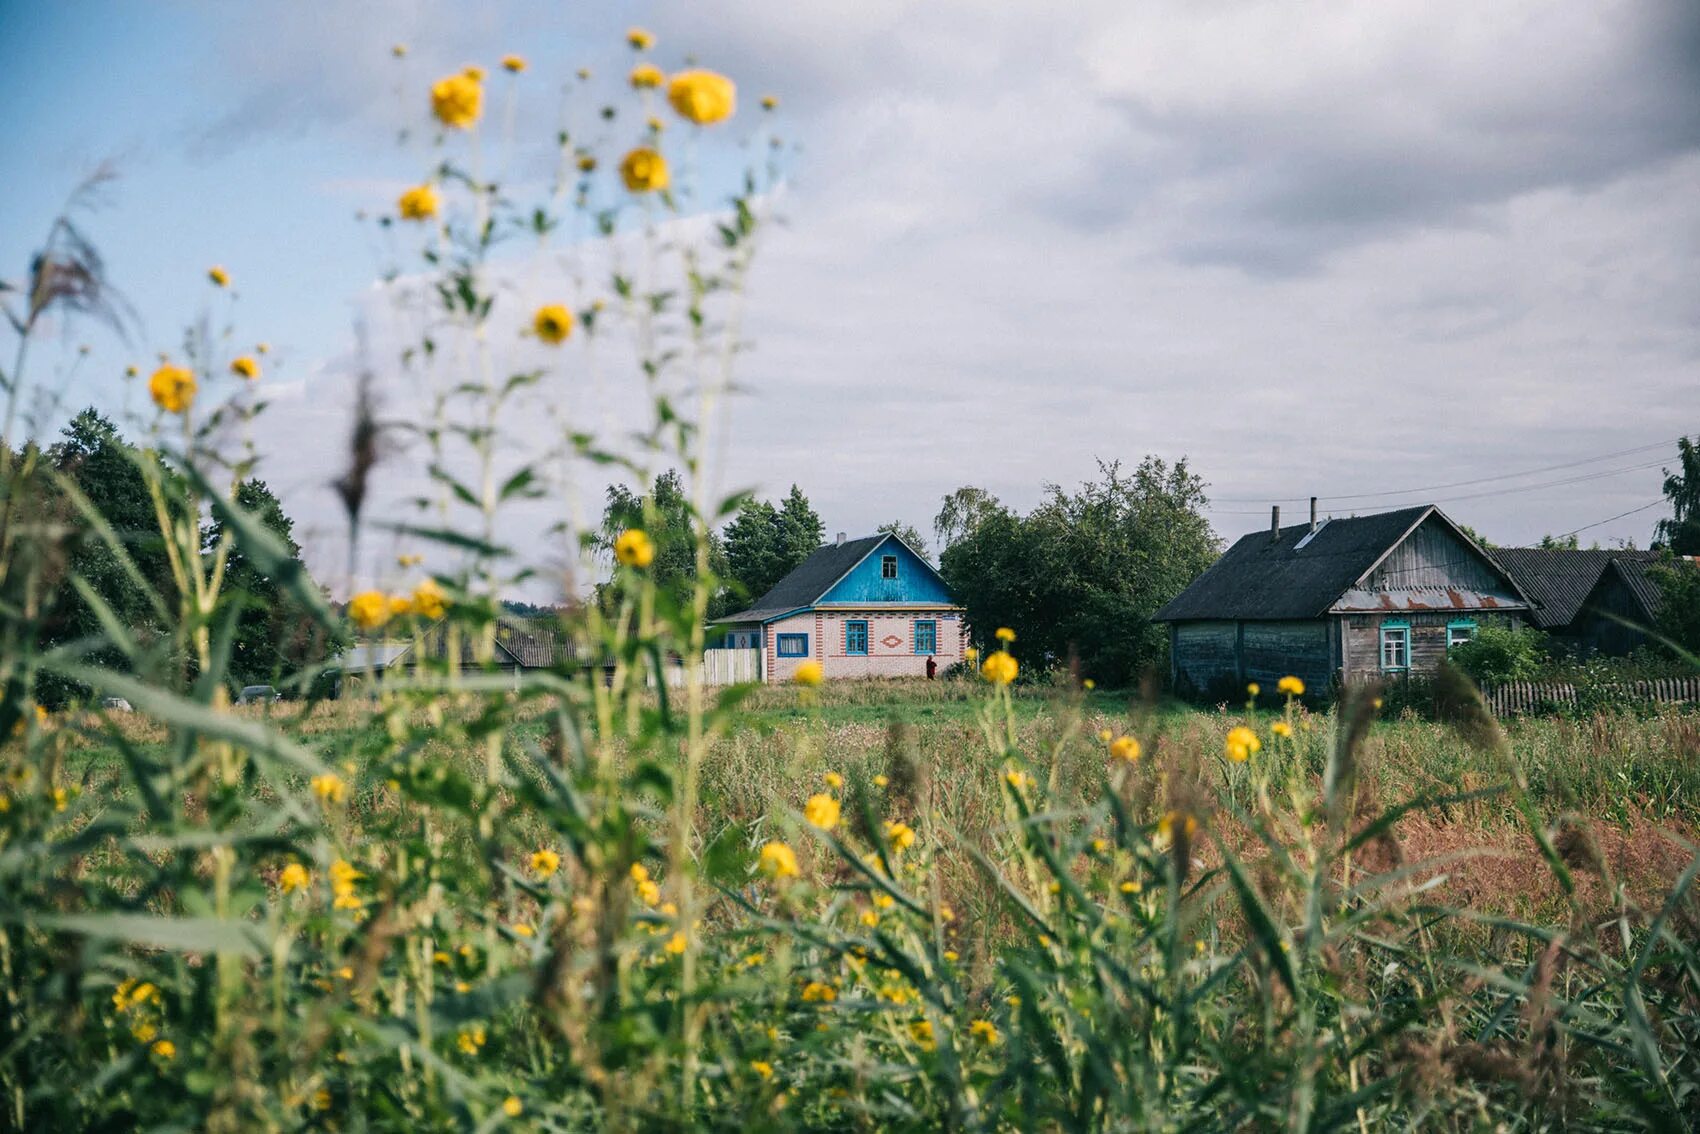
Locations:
(1275, 524)
(840, 539)
(1313, 515)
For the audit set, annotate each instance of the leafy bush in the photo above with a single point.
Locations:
(1498, 654)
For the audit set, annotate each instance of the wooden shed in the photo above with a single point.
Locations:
(1337, 600)
(1592, 601)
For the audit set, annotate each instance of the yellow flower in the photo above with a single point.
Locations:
(921, 1031)
(1005, 634)
(1125, 748)
(676, 944)
(970, 655)
(369, 609)
(639, 872)
(552, 324)
(428, 599)
(130, 372)
(634, 548)
(401, 606)
(1166, 826)
(821, 811)
(1254, 689)
(984, 1031)
(703, 97)
(586, 163)
(1241, 743)
(583, 73)
(647, 76)
(471, 1039)
(513, 63)
(512, 1107)
(869, 918)
(808, 673)
(293, 877)
(544, 862)
(1130, 887)
(762, 1068)
(164, 1048)
(1291, 686)
(1017, 780)
(901, 836)
(1281, 728)
(648, 891)
(768, 102)
(172, 388)
(779, 861)
(473, 72)
(418, 203)
(833, 780)
(399, 51)
(1089, 685)
(218, 276)
(817, 993)
(881, 781)
(640, 39)
(644, 171)
(330, 788)
(245, 367)
(457, 101)
(1000, 668)
(655, 124)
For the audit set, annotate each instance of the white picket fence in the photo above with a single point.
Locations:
(1533, 696)
(719, 667)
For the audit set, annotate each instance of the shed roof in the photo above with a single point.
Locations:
(813, 577)
(1292, 576)
(1559, 580)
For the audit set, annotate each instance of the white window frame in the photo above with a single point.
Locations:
(888, 567)
(1457, 633)
(1400, 634)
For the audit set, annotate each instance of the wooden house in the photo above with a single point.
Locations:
(1338, 600)
(867, 607)
(1590, 601)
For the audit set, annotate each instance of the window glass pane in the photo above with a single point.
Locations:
(1395, 647)
(926, 637)
(855, 637)
(793, 645)
(888, 567)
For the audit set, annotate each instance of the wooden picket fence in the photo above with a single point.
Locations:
(1517, 697)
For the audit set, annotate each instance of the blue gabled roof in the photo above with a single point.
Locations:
(814, 578)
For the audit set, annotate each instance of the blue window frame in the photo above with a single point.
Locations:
(856, 637)
(793, 645)
(888, 567)
(926, 637)
(1459, 632)
(1395, 647)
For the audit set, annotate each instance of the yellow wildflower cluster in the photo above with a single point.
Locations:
(343, 878)
(552, 324)
(634, 548)
(245, 366)
(471, 1038)
(779, 861)
(640, 39)
(418, 203)
(544, 862)
(644, 170)
(647, 76)
(173, 388)
(899, 836)
(330, 788)
(293, 877)
(1242, 743)
(821, 811)
(645, 886)
(1290, 686)
(1000, 668)
(457, 100)
(809, 673)
(1125, 748)
(703, 97)
(372, 610)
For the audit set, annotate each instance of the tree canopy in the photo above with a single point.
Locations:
(1681, 532)
(764, 543)
(1081, 575)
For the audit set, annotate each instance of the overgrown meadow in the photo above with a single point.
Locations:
(577, 899)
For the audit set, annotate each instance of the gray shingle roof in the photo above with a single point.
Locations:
(1260, 578)
(1558, 580)
(1633, 572)
(809, 580)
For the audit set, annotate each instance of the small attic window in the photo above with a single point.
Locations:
(1311, 535)
(888, 566)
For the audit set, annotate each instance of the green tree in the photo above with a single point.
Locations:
(908, 534)
(275, 638)
(764, 543)
(666, 515)
(1082, 574)
(1678, 622)
(1681, 532)
(961, 512)
(95, 458)
(1497, 654)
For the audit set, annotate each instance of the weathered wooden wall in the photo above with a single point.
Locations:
(1432, 556)
(1204, 654)
(1270, 651)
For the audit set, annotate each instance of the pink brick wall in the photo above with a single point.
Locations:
(891, 643)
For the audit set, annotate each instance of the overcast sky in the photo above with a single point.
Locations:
(1350, 250)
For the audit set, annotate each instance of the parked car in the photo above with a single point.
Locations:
(257, 694)
(117, 705)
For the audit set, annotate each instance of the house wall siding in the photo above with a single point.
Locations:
(1432, 556)
(891, 643)
(1205, 654)
(915, 582)
(1428, 639)
(1273, 650)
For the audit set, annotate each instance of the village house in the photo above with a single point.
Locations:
(1344, 598)
(867, 607)
(1591, 601)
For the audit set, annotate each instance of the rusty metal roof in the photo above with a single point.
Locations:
(1423, 599)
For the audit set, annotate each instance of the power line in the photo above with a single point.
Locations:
(1609, 519)
(1583, 478)
(1455, 483)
